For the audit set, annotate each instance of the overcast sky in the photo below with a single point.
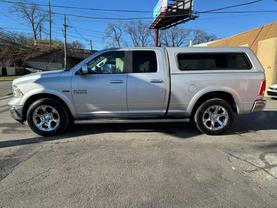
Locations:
(221, 25)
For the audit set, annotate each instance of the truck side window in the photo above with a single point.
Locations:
(213, 61)
(108, 63)
(144, 62)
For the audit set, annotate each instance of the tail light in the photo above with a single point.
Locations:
(262, 88)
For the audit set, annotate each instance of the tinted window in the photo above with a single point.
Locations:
(144, 62)
(213, 61)
(108, 63)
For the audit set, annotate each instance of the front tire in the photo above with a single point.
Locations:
(214, 117)
(48, 117)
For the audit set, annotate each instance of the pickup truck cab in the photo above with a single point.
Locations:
(206, 85)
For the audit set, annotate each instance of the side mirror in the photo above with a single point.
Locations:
(84, 69)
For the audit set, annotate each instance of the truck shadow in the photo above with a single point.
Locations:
(266, 120)
(180, 130)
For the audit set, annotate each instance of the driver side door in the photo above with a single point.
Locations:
(102, 92)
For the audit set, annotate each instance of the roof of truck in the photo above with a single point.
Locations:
(211, 49)
(234, 48)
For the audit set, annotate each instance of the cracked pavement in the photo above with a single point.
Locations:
(138, 165)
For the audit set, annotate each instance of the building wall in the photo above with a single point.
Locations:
(263, 41)
(250, 38)
(13, 71)
(267, 54)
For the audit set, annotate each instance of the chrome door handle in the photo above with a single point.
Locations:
(157, 81)
(116, 81)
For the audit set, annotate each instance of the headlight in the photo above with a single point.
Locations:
(16, 91)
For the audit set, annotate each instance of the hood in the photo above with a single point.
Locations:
(37, 76)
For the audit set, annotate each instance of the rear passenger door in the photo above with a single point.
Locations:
(146, 85)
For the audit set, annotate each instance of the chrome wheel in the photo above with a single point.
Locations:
(215, 118)
(46, 118)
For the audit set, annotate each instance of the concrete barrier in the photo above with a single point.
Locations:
(11, 71)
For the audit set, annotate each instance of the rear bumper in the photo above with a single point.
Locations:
(17, 113)
(259, 105)
(272, 93)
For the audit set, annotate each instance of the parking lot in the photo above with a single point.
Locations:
(140, 165)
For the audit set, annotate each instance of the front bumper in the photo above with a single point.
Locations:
(17, 113)
(259, 105)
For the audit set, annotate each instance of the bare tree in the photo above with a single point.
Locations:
(13, 38)
(22, 39)
(31, 13)
(200, 36)
(114, 35)
(175, 37)
(76, 45)
(139, 33)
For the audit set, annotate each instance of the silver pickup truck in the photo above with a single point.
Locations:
(209, 86)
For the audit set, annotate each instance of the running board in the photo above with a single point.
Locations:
(119, 121)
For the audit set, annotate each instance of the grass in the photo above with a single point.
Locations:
(8, 78)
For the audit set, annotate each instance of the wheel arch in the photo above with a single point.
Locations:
(34, 97)
(226, 95)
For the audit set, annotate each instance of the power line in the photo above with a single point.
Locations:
(125, 10)
(83, 8)
(81, 35)
(47, 33)
(15, 28)
(6, 33)
(231, 6)
(82, 16)
(211, 11)
(69, 35)
(75, 29)
(242, 12)
(216, 11)
(257, 36)
(96, 32)
(104, 18)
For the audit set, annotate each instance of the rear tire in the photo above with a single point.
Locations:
(214, 117)
(48, 117)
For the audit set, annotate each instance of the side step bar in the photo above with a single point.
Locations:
(115, 121)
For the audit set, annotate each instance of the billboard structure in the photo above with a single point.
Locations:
(160, 7)
(169, 13)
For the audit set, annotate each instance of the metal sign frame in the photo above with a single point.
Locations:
(167, 13)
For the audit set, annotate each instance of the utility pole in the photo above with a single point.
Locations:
(190, 43)
(157, 38)
(90, 43)
(65, 43)
(50, 23)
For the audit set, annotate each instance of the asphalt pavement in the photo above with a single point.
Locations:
(139, 165)
(5, 88)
